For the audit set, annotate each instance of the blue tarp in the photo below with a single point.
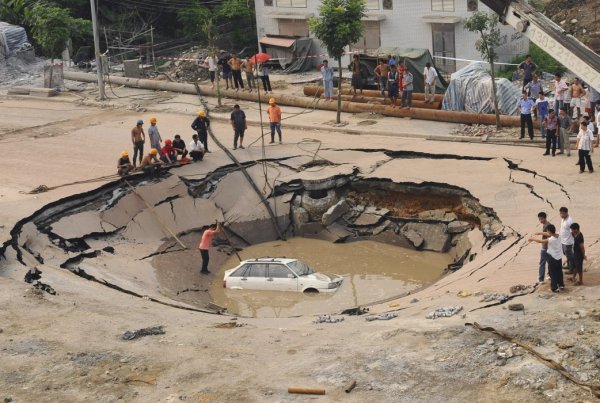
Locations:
(470, 90)
(12, 38)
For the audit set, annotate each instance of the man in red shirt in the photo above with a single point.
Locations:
(168, 154)
(205, 244)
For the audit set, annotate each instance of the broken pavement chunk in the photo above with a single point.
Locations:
(148, 331)
(335, 212)
(444, 312)
(456, 227)
(414, 237)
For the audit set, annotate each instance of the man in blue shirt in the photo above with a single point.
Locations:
(542, 106)
(525, 105)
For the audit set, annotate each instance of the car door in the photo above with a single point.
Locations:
(235, 279)
(255, 277)
(281, 278)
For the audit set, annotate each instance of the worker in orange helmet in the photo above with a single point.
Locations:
(274, 113)
(154, 134)
(124, 165)
(201, 125)
(151, 164)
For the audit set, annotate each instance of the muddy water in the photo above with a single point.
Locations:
(372, 271)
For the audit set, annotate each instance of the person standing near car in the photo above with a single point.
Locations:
(206, 243)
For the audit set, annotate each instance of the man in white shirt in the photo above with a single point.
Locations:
(559, 92)
(196, 149)
(585, 141)
(211, 62)
(430, 77)
(566, 238)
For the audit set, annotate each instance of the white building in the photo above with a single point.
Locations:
(436, 25)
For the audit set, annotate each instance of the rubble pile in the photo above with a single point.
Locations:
(187, 70)
(575, 18)
(482, 130)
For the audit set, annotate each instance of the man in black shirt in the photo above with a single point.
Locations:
(124, 164)
(200, 125)
(179, 146)
(238, 122)
(226, 69)
(578, 254)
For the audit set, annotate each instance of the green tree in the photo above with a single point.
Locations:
(339, 24)
(489, 39)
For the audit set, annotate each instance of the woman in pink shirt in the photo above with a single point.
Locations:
(205, 244)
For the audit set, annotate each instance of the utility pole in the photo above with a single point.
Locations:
(97, 49)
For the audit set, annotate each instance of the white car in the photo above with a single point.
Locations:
(279, 274)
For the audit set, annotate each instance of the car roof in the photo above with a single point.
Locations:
(283, 260)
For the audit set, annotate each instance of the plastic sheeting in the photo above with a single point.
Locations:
(470, 90)
(293, 59)
(12, 38)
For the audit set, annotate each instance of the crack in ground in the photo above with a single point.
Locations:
(164, 252)
(514, 166)
(395, 154)
(531, 189)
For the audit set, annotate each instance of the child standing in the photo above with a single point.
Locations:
(578, 254)
(554, 257)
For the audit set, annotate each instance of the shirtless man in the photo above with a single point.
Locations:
(577, 94)
(236, 70)
(381, 71)
(138, 138)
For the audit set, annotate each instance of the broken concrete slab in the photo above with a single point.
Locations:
(368, 219)
(414, 237)
(435, 235)
(457, 227)
(335, 212)
(81, 224)
(340, 232)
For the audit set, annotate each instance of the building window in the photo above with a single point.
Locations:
(293, 28)
(444, 47)
(268, 3)
(442, 5)
(371, 39)
(372, 4)
(291, 3)
(388, 4)
(472, 5)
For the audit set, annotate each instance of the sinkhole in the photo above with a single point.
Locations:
(387, 239)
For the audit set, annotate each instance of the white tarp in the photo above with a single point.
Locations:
(470, 90)
(12, 38)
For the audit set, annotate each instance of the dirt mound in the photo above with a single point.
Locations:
(578, 18)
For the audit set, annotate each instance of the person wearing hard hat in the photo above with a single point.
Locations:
(168, 155)
(138, 138)
(151, 164)
(275, 119)
(155, 139)
(124, 164)
(200, 125)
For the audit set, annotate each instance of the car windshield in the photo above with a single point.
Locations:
(301, 269)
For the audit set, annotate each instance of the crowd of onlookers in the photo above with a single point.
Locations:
(575, 110)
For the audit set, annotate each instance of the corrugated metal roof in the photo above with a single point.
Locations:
(281, 42)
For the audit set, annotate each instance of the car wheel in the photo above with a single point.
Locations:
(311, 291)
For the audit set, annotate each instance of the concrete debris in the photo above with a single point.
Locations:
(355, 311)
(228, 325)
(383, 316)
(327, 319)
(494, 297)
(414, 237)
(44, 287)
(435, 236)
(33, 274)
(464, 294)
(299, 217)
(148, 331)
(457, 227)
(480, 131)
(516, 307)
(335, 212)
(444, 312)
(517, 288)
